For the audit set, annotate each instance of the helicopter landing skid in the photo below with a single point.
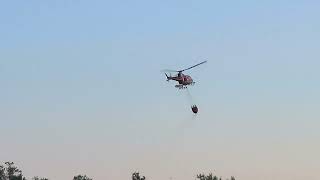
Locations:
(180, 86)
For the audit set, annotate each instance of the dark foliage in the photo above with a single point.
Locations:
(10, 172)
(211, 177)
(37, 178)
(136, 176)
(80, 177)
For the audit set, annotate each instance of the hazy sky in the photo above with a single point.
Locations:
(82, 92)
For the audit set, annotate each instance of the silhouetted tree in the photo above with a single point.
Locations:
(37, 178)
(207, 177)
(80, 177)
(210, 177)
(136, 176)
(10, 172)
(2, 173)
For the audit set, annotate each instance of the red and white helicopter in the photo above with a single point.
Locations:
(182, 79)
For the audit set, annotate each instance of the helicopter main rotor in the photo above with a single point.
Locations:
(179, 71)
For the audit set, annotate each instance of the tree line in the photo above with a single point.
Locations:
(9, 171)
(210, 176)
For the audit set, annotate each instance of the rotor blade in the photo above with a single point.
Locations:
(168, 70)
(194, 66)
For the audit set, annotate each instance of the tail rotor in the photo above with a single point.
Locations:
(168, 77)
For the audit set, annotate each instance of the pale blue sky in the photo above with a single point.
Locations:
(81, 88)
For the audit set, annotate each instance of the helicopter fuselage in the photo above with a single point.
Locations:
(181, 79)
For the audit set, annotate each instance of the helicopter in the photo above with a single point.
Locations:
(182, 79)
